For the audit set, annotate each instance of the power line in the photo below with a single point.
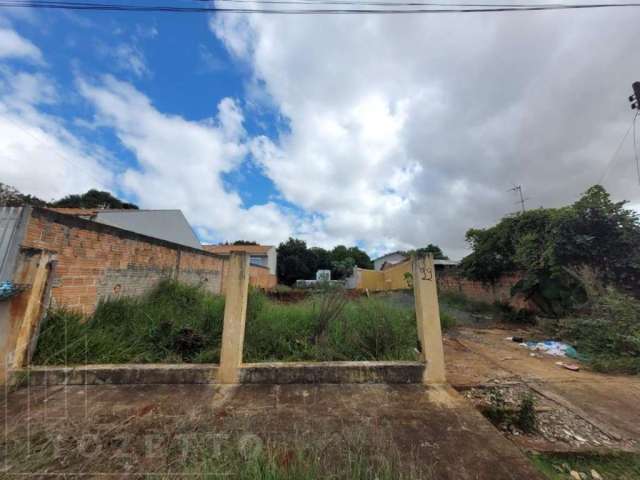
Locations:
(617, 151)
(385, 3)
(124, 7)
(635, 146)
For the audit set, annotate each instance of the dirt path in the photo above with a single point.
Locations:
(484, 357)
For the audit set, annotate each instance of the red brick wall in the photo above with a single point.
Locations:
(95, 261)
(261, 277)
(450, 281)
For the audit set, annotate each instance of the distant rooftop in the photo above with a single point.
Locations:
(169, 225)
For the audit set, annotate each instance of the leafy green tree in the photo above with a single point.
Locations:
(295, 261)
(93, 199)
(11, 197)
(342, 268)
(360, 257)
(435, 250)
(550, 245)
(323, 258)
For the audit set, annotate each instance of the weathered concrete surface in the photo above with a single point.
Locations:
(430, 427)
(128, 374)
(257, 373)
(331, 372)
(484, 356)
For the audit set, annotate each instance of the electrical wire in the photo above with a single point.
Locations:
(124, 7)
(635, 146)
(617, 151)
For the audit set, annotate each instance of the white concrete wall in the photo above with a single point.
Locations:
(272, 260)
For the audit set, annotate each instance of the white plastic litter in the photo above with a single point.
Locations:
(550, 347)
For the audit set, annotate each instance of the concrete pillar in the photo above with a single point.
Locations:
(235, 315)
(428, 318)
(32, 312)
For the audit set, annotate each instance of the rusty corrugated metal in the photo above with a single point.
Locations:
(11, 220)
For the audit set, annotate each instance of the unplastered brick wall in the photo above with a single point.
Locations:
(451, 281)
(95, 262)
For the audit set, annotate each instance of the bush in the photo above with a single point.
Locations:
(526, 419)
(497, 409)
(609, 333)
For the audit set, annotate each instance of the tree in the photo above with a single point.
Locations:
(11, 197)
(341, 269)
(550, 245)
(93, 199)
(245, 242)
(361, 258)
(322, 258)
(435, 250)
(295, 261)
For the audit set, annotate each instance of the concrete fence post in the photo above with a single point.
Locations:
(235, 314)
(428, 318)
(32, 312)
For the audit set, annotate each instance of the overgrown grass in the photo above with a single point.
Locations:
(311, 460)
(366, 329)
(179, 323)
(174, 323)
(188, 447)
(621, 466)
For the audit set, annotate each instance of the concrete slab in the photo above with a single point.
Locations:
(432, 428)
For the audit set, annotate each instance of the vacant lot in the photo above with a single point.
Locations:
(178, 323)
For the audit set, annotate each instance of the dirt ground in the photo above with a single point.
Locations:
(434, 431)
(579, 410)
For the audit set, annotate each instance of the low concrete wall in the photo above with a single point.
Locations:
(332, 372)
(254, 373)
(133, 374)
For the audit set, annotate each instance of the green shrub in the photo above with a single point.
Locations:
(526, 419)
(608, 336)
(497, 409)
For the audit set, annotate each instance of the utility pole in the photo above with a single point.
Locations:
(635, 98)
(518, 188)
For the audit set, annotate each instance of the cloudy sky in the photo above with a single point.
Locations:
(383, 131)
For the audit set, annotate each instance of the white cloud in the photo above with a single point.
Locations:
(130, 58)
(180, 162)
(39, 155)
(409, 130)
(12, 45)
